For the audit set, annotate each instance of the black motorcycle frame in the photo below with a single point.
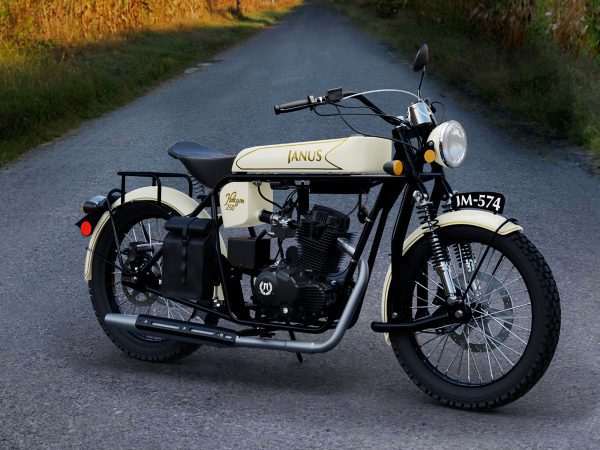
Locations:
(392, 187)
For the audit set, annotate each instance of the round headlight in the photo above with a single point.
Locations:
(450, 143)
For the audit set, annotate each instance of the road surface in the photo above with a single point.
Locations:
(64, 385)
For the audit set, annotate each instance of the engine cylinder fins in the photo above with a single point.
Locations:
(317, 236)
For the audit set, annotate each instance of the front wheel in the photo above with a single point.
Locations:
(512, 331)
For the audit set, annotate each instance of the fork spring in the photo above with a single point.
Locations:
(426, 215)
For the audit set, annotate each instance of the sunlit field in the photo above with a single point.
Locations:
(64, 61)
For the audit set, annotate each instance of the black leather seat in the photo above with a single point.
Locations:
(206, 165)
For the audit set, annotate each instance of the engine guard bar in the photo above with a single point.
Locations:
(222, 337)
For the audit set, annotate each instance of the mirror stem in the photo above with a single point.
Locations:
(420, 83)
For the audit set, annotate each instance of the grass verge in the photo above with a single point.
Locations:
(537, 89)
(45, 90)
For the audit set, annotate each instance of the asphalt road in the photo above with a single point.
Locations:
(64, 385)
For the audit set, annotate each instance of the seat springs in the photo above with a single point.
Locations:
(199, 190)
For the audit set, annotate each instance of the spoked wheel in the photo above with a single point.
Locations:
(505, 343)
(115, 288)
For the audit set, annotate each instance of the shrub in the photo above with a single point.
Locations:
(388, 8)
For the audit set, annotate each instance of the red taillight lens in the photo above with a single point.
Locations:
(86, 228)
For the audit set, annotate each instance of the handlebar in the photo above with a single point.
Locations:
(333, 96)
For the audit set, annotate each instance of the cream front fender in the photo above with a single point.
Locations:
(173, 198)
(473, 217)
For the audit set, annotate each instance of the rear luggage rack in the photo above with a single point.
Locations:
(156, 181)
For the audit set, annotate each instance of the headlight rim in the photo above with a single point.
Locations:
(437, 136)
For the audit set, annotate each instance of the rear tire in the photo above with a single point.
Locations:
(481, 391)
(103, 288)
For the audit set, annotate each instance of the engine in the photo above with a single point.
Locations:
(303, 287)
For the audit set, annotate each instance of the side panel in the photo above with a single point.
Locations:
(170, 197)
(241, 203)
(354, 154)
(477, 218)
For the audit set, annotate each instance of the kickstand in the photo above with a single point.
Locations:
(298, 355)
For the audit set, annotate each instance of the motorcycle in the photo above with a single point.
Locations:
(469, 305)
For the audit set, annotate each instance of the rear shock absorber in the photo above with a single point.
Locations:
(426, 214)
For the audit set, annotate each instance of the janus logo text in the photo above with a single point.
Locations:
(305, 155)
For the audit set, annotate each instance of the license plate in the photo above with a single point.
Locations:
(490, 201)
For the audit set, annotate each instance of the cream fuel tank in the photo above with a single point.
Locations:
(242, 202)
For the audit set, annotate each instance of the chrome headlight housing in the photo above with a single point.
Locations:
(450, 144)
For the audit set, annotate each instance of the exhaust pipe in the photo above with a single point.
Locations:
(217, 336)
(179, 330)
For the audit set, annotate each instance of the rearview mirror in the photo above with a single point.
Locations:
(421, 58)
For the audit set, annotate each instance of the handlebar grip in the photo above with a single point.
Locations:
(292, 106)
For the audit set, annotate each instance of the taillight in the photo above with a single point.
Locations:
(86, 228)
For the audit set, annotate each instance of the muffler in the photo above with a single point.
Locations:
(195, 333)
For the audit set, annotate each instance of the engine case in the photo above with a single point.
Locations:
(289, 293)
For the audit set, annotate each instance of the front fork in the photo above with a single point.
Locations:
(427, 211)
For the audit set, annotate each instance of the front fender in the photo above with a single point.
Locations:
(173, 198)
(474, 217)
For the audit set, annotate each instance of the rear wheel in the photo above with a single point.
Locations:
(140, 230)
(508, 341)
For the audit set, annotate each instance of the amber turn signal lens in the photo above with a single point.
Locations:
(394, 167)
(86, 228)
(429, 156)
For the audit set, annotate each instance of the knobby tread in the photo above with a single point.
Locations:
(183, 350)
(545, 352)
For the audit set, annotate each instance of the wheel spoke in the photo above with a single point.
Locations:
(436, 346)
(487, 346)
(507, 284)
(509, 330)
(430, 291)
(513, 324)
(497, 348)
(437, 336)
(493, 274)
(496, 341)
(504, 310)
(442, 350)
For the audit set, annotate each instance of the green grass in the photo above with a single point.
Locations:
(46, 90)
(537, 89)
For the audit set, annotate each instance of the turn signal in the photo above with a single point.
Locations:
(429, 156)
(394, 167)
(86, 228)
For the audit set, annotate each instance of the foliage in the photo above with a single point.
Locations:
(546, 81)
(24, 22)
(573, 24)
(388, 8)
(61, 66)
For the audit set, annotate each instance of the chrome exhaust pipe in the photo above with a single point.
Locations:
(223, 337)
(340, 329)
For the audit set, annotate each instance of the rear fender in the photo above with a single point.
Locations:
(476, 218)
(172, 198)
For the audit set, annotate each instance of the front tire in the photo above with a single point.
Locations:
(511, 337)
